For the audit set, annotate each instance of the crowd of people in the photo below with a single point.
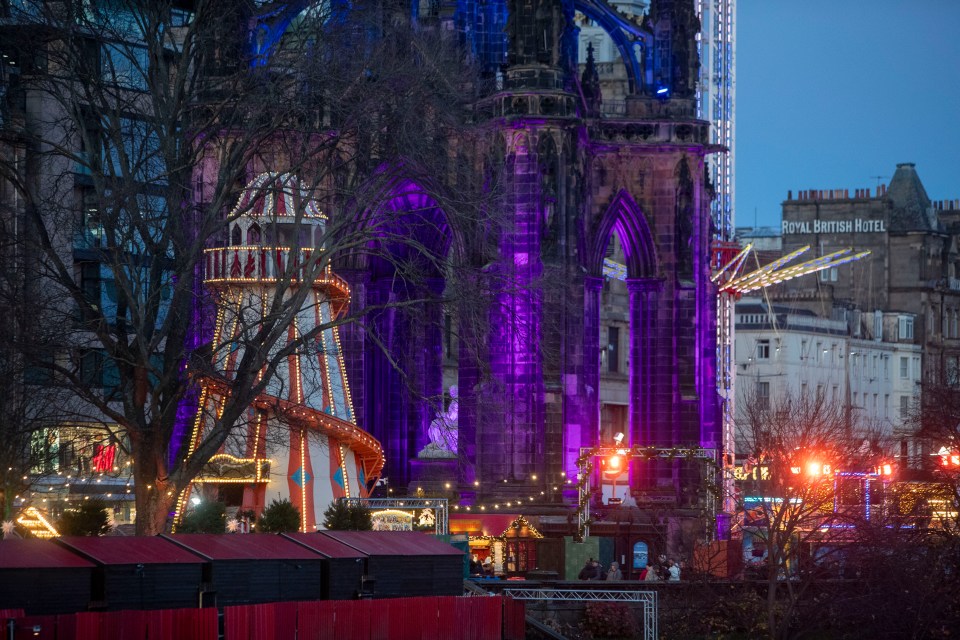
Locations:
(666, 570)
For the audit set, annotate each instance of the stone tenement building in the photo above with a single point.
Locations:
(908, 288)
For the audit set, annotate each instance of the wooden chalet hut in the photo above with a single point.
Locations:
(253, 568)
(139, 572)
(343, 566)
(406, 563)
(42, 578)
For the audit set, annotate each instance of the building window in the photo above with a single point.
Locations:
(763, 349)
(125, 66)
(613, 420)
(613, 349)
(640, 556)
(448, 335)
(829, 275)
(886, 405)
(904, 368)
(953, 371)
(763, 395)
(98, 371)
(803, 349)
(45, 451)
(904, 407)
(906, 328)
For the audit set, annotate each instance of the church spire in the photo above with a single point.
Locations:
(590, 84)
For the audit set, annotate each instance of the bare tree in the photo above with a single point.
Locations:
(798, 505)
(147, 123)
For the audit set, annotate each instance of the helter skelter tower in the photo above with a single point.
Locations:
(299, 440)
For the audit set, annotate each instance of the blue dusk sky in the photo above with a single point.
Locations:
(833, 93)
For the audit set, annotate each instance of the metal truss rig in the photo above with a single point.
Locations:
(585, 470)
(440, 506)
(647, 598)
(728, 262)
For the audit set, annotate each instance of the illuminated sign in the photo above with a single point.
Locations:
(392, 520)
(761, 472)
(857, 225)
(103, 458)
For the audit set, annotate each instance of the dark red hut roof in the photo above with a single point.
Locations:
(113, 550)
(394, 543)
(16, 553)
(242, 546)
(325, 545)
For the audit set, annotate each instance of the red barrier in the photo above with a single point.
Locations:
(39, 627)
(87, 626)
(176, 624)
(514, 619)
(426, 618)
(164, 624)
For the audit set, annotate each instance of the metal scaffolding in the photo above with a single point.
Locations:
(440, 506)
(647, 598)
(585, 471)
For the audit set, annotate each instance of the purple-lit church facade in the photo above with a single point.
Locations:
(577, 171)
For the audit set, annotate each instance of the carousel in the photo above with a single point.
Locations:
(299, 440)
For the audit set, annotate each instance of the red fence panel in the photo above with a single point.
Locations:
(88, 625)
(125, 625)
(285, 620)
(308, 621)
(514, 619)
(176, 624)
(34, 628)
(490, 623)
(66, 627)
(423, 618)
(236, 623)
(427, 624)
(448, 626)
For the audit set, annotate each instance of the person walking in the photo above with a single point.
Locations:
(589, 572)
(614, 573)
(651, 573)
(674, 570)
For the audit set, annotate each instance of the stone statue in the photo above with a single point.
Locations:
(443, 431)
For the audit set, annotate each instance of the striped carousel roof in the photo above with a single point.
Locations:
(277, 195)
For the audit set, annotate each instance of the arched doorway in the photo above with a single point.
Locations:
(617, 345)
(397, 351)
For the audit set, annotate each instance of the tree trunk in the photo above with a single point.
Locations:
(772, 601)
(155, 496)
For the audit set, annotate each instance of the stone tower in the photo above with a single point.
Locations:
(582, 171)
(578, 170)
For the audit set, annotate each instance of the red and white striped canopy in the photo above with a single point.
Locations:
(277, 195)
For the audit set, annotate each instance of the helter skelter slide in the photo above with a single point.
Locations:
(299, 440)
